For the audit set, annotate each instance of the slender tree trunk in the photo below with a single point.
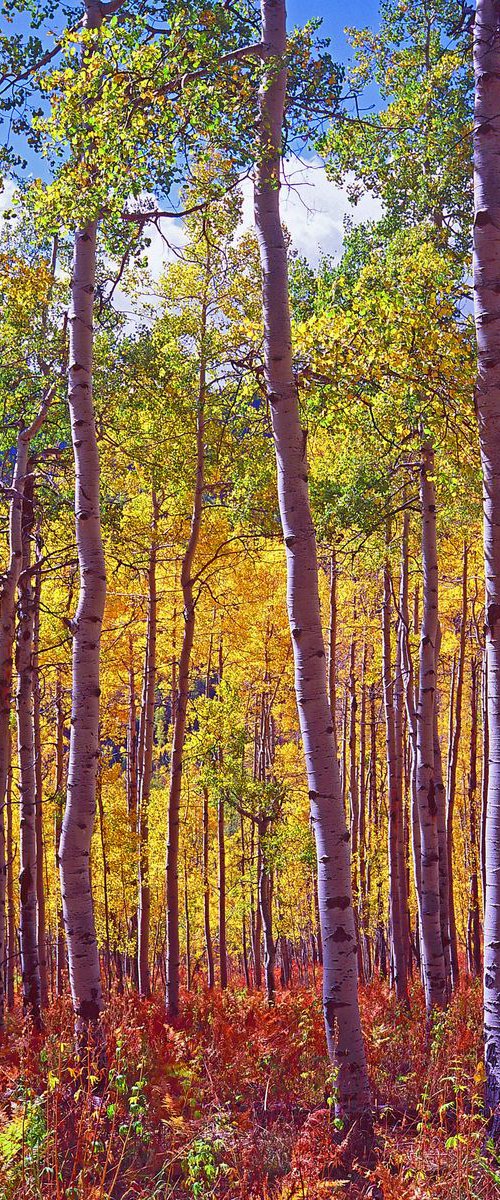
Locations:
(394, 781)
(243, 900)
(221, 843)
(487, 396)
(411, 716)
(179, 728)
(30, 967)
(11, 912)
(353, 766)
(340, 997)
(105, 873)
(221, 846)
(132, 789)
(206, 896)
(363, 888)
(60, 952)
(432, 943)
(257, 926)
(475, 921)
(265, 902)
(399, 714)
(440, 795)
(40, 851)
(332, 638)
(453, 749)
(8, 587)
(79, 815)
(187, 921)
(484, 776)
(146, 770)
(344, 750)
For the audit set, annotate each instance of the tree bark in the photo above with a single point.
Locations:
(179, 726)
(440, 796)
(487, 395)
(40, 850)
(411, 716)
(394, 781)
(206, 896)
(146, 769)
(8, 587)
(131, 742)
(332, 638)
(341, 1009)
(30, 967)
(59, 789)
(430, 918)
(266, 910)
(11, 912)
(484, 776)
(79, 815)
(475, 922)
(453, 748)
(353, 767)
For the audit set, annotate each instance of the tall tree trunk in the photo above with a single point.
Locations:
(332, 638)
(487, 396)
(411, 716)
(440, 795)
(453, 749)
(40, 850)
(179, 726)
(60, 949)
(105, 873)
(265, 902)
(221, 844)
(475, 922)
(146, 769)
(187, 921)
(353, 765)
(206, 896)
(257, 926)
(86, 627)
(8, 587)
(341, 1009)
(132, 788)
(363, 896)
(394, 782)
(30, 967)
(11, 912)
(430, 918)
(399, 714)
(484, 775)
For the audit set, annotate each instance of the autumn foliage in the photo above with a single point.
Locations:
(235, 1100)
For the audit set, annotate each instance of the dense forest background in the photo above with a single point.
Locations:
(249, 706)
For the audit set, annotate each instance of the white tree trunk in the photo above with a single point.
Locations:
(79, 815)
(30, 966)
(487, 394)
(432, 942)
(8, 588)
(340, 996)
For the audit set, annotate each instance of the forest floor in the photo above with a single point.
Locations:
(233, 1103)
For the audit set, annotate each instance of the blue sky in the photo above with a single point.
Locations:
(314, 209)
(335, 17)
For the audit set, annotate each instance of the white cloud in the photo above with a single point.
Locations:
(313, 209)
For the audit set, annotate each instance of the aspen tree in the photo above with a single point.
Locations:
(85, 628)
(343, 1028)
(432, 943)
(30, 966)
(487, 396)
